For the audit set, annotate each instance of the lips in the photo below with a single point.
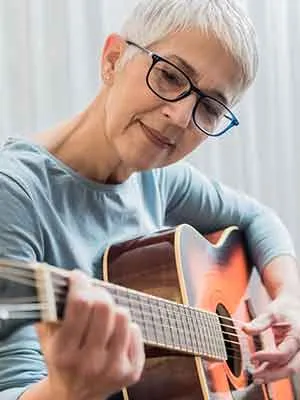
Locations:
(156, 138)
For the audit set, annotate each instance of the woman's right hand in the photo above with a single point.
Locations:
(96, 351)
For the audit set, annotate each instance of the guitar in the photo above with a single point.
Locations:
(189, 295)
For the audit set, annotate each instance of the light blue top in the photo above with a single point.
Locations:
(50, 213)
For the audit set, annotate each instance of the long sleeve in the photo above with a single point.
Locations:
(21, 361)
(209, 206)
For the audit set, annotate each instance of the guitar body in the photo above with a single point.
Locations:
(210, 273)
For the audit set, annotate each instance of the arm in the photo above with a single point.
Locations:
(94, 352)
(281, 277)
(209, 206)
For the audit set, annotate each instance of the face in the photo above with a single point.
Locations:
(145, 131)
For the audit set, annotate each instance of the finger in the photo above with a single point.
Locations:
(119, 339)
(44, 331)
(274, 374)
(259, 324)
(101, 321)
(279, 334)
(136, 353)
(76, 314)
(280, 356)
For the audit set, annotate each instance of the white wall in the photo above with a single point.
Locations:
(49, 57)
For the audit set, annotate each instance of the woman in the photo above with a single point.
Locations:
(114, 172)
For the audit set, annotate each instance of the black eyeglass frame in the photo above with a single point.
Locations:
(200, 94)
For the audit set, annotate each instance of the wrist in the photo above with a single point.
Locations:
(58, 391)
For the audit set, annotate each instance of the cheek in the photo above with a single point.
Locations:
(192, 140)
(189, 143)
(128, 102)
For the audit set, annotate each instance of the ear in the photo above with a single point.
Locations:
(113, 50)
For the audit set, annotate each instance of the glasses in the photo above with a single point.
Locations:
(170, 83)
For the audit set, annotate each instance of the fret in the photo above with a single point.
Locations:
(198, 322)
(162, 322)
(156, 318)
(216, 332)
(173, 325)
(143, 315)
(152, 321)
(144, 326)
(142, 322)
(174, 328)
(117, 295)
(198, 329)
(170, 324)
(167, 325)
(188, 316)
(178, 330)
(136, 311)
(204, 332)
(163, 328)
(220, 339)
(183, 324)
(208, 335)
(195, 330)
(221, 348)
(212, 338)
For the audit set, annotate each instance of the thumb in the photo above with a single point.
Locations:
(259, 324)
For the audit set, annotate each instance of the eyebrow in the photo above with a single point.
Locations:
(191, 72)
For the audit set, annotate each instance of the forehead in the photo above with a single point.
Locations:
(204, 59)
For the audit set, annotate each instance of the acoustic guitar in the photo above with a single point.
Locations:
(189, 295)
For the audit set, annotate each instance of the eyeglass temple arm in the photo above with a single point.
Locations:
(139, 47)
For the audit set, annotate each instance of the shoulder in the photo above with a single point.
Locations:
(181, 176)
(24, 166)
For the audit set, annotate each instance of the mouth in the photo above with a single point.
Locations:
(155, 137)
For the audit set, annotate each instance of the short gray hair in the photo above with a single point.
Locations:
(152, 20)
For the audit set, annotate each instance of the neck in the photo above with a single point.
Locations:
(82, 144)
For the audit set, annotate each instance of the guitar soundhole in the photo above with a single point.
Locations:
(231, 340)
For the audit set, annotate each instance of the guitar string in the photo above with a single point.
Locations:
(62, 284)
(183, 346)
(58, 292)
(31, 283)
(184, 331)
(36, 315)
(8, 303)
(36, 305)
(24, 311)
(231, 353)
(255, 338)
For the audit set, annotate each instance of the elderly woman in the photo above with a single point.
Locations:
(114, 172)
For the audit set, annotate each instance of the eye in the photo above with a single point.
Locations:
(171, 77)
(212, 107)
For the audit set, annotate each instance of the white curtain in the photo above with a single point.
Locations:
(49, 59)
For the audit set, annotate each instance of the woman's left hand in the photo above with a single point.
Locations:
(283, 317)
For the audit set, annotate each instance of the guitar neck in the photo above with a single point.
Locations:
(163, 323)
(171, 325)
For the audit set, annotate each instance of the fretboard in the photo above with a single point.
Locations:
(163, 323)
(171, 325)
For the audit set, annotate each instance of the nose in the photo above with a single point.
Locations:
(181, 111)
